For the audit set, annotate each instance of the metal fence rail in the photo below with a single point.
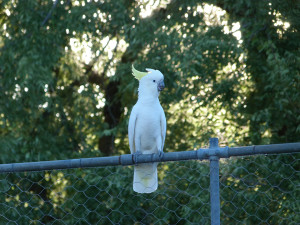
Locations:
(129, 159)
(260, 189)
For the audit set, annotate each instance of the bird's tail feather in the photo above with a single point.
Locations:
(145, 178)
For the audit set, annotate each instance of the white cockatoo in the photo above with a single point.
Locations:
(147, 128)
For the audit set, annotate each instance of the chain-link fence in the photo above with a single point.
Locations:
(260, 189)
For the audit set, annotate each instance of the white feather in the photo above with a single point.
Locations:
(147, 131)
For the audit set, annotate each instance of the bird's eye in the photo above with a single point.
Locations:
(154, 81)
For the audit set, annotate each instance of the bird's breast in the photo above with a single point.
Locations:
(149, 122)
(148, 126)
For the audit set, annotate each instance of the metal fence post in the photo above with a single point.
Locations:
(214, 182)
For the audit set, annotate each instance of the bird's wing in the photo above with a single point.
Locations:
(131, 129)
(163, 126)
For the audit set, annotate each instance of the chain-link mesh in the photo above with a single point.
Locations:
(260, 189)
(253, 190)
(105, 196)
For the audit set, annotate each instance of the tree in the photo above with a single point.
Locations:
(53, 90)
(270, 32)
(66, 89)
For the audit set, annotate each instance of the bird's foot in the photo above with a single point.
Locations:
(160, 155)
(135, 156)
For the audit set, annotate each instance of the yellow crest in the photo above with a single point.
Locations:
(137, 74)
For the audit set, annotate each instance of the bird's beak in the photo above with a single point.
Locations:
(161, 85)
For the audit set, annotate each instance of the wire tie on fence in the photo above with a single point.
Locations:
(254, 149)
(199, 154)
(127, 159)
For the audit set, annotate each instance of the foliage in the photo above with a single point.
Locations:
(231, 70)
(260, 189)
(270, 34)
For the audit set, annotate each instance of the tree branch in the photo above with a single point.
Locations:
(49, 13)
